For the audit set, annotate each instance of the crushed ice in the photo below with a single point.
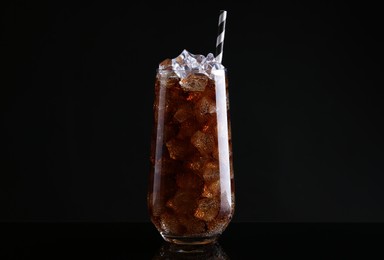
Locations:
(187, 63)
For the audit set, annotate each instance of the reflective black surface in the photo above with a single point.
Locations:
(142, 241)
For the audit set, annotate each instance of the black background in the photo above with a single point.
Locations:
(77, 93)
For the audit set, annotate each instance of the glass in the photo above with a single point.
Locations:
(191, 186)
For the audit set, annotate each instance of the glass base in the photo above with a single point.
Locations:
(181, 240)
(207, 251)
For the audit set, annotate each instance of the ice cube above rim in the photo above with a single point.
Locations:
(187, 63)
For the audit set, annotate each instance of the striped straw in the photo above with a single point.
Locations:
(220, 35)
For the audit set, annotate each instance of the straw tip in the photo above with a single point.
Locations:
(223, 14)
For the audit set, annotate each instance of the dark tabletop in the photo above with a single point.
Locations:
(142, 241)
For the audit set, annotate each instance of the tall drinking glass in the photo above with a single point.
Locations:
(191, 183)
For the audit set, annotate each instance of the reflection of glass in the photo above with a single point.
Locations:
(197, 252)
(191, 186)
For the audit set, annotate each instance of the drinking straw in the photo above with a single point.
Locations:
(220, 35)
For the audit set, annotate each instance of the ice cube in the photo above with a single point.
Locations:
(203, 142)
(209, 59)
(207, 63)
(186, 60)
(194, 82)
(186, 63)
(210, 90)
(204, 109)
(178, 149)
(211, 171)
(212, 189)
(195, 162)
(205, 106)
(207, 209)
(167, 78)
(184, 202)
(174, 95)
(183, 113)
(166, 64)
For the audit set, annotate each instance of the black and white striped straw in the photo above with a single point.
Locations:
(220, 35)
